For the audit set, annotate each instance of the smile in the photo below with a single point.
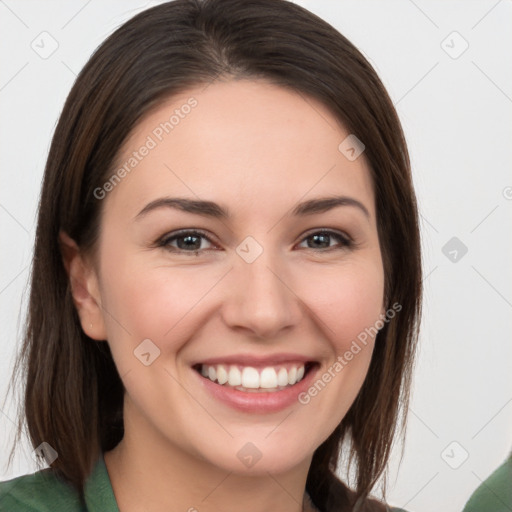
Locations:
(255, 380)
(256, 385)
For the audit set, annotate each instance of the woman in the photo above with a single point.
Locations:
(226, 284)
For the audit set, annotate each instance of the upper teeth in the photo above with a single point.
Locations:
(253, 378)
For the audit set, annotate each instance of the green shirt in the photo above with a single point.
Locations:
(495, 493)
(44, 492)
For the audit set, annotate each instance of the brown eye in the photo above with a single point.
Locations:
(186, 241)
(322, 240)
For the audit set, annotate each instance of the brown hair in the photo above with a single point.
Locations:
(73, 393)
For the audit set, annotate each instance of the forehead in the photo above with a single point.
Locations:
(245, 141)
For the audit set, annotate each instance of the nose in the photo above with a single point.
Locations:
(260, 298)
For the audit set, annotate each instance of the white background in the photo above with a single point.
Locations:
(456, 114)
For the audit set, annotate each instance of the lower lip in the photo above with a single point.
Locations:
(258, 402)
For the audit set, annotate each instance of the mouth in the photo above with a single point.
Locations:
(256, 386)
(254, 379)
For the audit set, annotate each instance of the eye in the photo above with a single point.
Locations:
(185, 241)
(322, 240)
(194, 241)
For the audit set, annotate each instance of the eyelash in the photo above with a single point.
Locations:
(164, 242)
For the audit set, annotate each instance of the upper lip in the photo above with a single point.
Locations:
(256, 360)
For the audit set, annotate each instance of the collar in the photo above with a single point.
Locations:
(99, 495)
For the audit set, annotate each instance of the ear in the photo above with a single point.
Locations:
(84, 288)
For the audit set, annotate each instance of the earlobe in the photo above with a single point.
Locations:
(84, 288)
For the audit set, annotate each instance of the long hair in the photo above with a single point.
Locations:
(73, 395)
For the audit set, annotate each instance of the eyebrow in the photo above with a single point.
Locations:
(214, 210)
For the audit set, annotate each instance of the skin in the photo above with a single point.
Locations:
(257, 150)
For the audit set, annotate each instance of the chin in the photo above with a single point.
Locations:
(257, 456)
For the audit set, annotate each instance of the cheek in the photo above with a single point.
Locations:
(347, 301)
(144, 301)
(147, 302)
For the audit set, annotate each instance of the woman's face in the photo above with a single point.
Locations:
(217, 256)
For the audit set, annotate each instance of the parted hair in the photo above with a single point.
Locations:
(72, 392)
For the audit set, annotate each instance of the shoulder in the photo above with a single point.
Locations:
(344, 498)
(38, 492)
(374, 505)
(494, 493)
